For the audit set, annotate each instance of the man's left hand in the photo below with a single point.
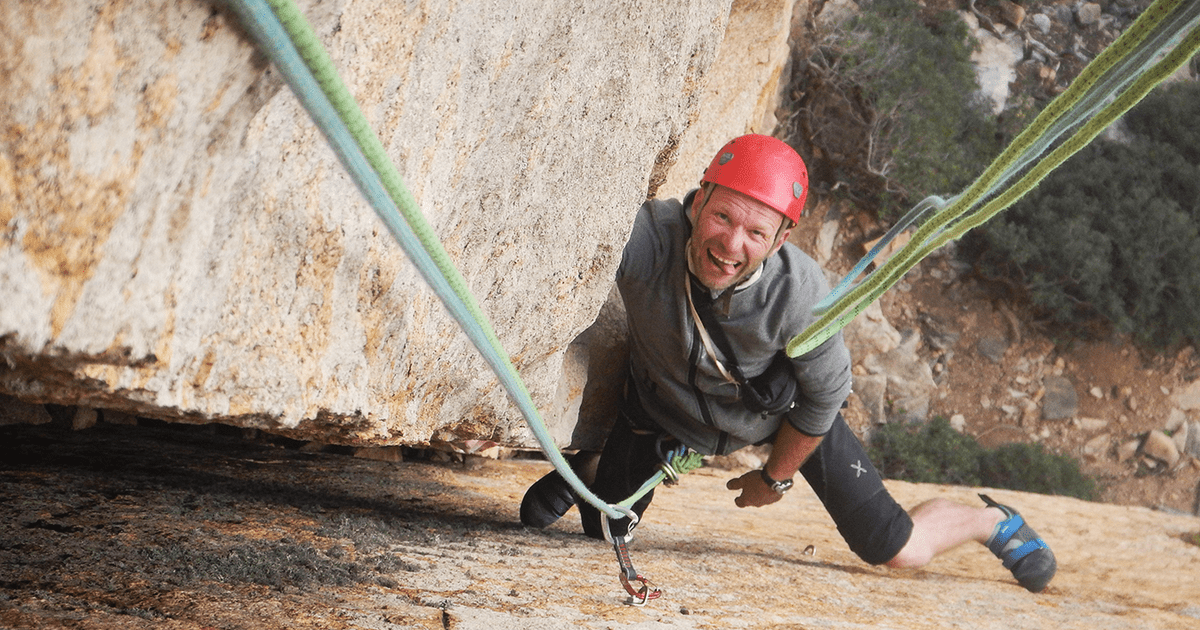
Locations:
(755, 492)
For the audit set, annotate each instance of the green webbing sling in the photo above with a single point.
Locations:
(1156, 45)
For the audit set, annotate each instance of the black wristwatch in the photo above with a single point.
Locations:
(778, 486)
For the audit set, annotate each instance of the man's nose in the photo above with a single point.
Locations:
(736, 240)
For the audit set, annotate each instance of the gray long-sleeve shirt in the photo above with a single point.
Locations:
(679, 385)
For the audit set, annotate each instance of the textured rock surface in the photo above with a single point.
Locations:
(742, 89)
(177, 241)
(124, 528)
(739, 97)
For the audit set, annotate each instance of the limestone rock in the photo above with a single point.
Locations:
(1161, 447)
(84, 418)
(176, 239)
(909, 380)
(1097, 447)
(992, 347)
(825, 241)
(870, 333)
(1042, 22)
(1180, 437)
(938, 334)
(995, 61)
(1127, 450)
(1012, 13)
(740, 91)
(1188, 397)
(871, 390)
(1192, 445)
(391, 454)
(1030, 413)
(1175, 419)
(1088, 14)
(603, 352)
(1060, 400)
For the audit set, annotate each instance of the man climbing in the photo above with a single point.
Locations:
(713, 292)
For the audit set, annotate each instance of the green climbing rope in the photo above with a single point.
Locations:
(286, 37)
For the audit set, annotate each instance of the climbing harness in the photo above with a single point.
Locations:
(1156, 45)
(1124, 73)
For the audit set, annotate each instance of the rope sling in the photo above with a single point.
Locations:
(1116, 80)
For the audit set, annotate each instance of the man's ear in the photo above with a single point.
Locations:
(781, 238)
(698, 201)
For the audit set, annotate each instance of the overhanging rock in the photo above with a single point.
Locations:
(177, 241)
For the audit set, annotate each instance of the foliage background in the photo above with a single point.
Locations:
(1109, 241)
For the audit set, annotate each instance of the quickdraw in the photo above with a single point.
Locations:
(675, 462)
(644, 591)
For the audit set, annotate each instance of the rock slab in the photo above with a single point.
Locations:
(176, 239)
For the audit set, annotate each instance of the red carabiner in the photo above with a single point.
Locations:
(629, 575)
(641, 595)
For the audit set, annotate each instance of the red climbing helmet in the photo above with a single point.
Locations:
(765, 168)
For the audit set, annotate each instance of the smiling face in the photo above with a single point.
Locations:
(732, 234)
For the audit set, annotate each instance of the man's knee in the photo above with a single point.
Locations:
(910, 556)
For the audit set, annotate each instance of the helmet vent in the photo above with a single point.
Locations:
(797, 189)
(725, 157)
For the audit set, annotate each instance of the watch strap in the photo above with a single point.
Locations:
(776, 485)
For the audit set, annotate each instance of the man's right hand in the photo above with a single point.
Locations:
(755, 491)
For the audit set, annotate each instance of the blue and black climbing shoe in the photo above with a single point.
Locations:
(1021, 549)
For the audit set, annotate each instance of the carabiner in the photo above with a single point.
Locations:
(639, 596)
(629, 575)
(628, 512)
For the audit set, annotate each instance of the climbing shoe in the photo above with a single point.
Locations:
(546, 501)
(1021, 549)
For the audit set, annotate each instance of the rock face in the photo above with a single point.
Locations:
(121, 529)
(176, 239)
(739, 97)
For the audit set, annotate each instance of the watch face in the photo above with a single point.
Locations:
(777, 486)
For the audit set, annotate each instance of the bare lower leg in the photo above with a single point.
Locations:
(940, 525)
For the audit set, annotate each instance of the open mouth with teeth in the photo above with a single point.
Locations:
(725, 265)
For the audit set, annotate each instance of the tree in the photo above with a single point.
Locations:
(888, 105)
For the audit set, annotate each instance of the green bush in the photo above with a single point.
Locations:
(889, 105)
(1111, 236)
(936, 453)
(1030, 468)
